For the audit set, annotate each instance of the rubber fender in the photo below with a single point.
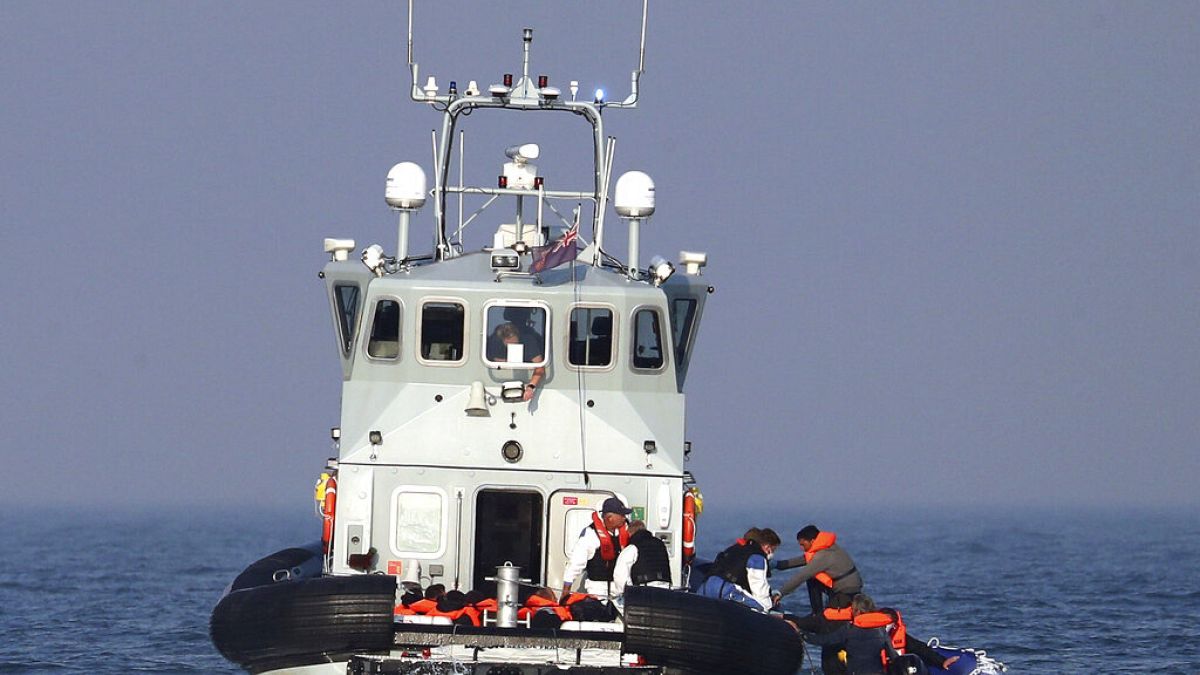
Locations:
(299, 622)
(704, 635)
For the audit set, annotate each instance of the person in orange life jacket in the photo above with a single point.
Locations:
(740, 572)
(834, 617)
(868, 646)
(422, 605)
(644, 562)
(596, 549)
(825, 568)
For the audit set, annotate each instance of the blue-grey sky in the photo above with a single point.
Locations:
(956, 246)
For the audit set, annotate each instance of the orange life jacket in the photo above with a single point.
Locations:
(608, 552)
(822, 541)
(842, 614)
(537, 603)
(467, 611)
(423, 606)
(888, 619)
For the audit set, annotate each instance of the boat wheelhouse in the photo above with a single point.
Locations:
(450, 464)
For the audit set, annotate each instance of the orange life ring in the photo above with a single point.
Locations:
(328, 509)
(689, 526)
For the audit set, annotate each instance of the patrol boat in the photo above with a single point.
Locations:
(494, 395)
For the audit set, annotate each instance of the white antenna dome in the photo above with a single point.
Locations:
(406, 186)
(634, 196)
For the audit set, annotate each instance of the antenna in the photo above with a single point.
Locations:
(418, 94)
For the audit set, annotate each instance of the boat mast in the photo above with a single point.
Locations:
(522, 95)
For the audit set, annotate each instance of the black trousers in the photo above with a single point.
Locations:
(815, 623)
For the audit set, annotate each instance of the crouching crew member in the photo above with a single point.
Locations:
(825, 568)
(644, 562)
(596, 551)
(740, 572)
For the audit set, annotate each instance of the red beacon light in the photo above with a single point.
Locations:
(508, 80)
(503, 181)
(538, 181)
(549, 93)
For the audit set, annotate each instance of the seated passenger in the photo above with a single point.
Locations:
(833, 618)
(740, 572)
(868, 647)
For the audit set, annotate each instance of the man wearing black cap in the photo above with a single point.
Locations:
(596, 550)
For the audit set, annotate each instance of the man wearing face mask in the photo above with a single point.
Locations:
(740, 572)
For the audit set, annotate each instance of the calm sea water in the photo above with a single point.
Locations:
(1045, 592)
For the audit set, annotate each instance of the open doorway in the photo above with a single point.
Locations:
(508, 528)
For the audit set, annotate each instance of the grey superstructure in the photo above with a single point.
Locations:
(440, 478)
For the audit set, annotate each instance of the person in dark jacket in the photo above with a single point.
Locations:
(867, 649)
(740, 572)
(644, 562)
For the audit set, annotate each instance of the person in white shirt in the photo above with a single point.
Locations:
(596, 550)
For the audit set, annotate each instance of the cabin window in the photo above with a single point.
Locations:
(346, 297)
(442, 326)
(385, 331)
(683, 319)
(515, 336)
(418, 524)
(591, 336)
(575, 521)
(647, 340)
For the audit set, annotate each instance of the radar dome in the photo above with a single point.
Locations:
(406, 186)
(634, 196)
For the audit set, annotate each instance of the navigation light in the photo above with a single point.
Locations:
(599, 97)
(660, 269)
(372, 257)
